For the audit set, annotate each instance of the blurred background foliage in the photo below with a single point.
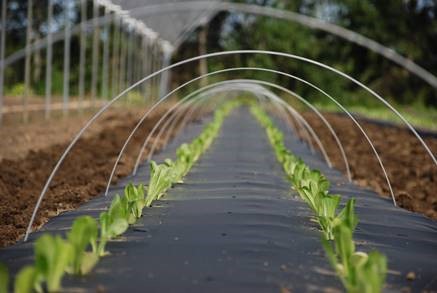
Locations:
(407, 26)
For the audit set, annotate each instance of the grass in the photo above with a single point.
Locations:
(419, 116)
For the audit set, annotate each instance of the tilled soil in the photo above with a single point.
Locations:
(85, 171)
(411, 171)
(18, 138)
(82, 176)
(236, 210)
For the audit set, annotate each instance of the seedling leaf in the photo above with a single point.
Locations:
(4, 278)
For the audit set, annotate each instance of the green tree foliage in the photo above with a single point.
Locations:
(409, 27)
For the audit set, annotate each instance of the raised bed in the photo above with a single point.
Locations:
(236, 226)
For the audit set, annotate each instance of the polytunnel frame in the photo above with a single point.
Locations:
(202, 96)
(271, 70)
(206, 56)
(310, 22)
(169, 112)
(185, 121)
(190, 113)
(291, 93)
(305, 20)
(306, 82)
(154, 106)
(171, 124)
(186, 99)
(254, 9)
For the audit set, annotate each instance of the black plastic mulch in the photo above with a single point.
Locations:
(236, 226)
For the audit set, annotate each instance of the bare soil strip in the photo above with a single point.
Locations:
(83, 175)
(411, 171)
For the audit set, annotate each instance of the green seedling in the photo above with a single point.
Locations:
(163, 176)
(312, 200)
(326, 215)
(160, 182)
(185, 158)
(53, 255)
(348, 215)
(119, 208)
(112, 224)
(300, 172)
(4, 278)
(135, 199)
(359, 272)
(109, 228)
(28, 280)
(83, 233)
(176, 170)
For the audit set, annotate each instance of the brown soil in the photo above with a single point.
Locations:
(28, 153)
(410, 169)
(36, 149)
(18, 138)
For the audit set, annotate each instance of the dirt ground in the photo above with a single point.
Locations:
(411, 171)
(29, 152)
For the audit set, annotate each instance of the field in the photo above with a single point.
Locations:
(225, 209)
(218, 146)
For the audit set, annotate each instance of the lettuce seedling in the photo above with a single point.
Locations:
(348, 215)
(83, 233)
(311, 199)
(135, 201)
(371, 273)
(119, 208)
(176, 170)
(4, 278)
(185, 158)
(111, 225)
(326, 214)
(299, 174)
(358, 271)
(52, 257)
(160, 182)
(27, 280)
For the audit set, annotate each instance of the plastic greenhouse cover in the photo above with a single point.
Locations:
(172, 26)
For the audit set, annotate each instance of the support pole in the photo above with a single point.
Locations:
(136, 60)
(82, 52)
(167, 51)
(66, 83)
(148, 68)
(144, 66)
(49, 58)
(115, 56)
(129, 55)
(2, 55)
(121, 81)
(95, 56)
(156, 66)
(105, 66)
(27, 60)
(203, 66)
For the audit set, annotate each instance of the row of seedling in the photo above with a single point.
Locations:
(86, 242)
(358, 271)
